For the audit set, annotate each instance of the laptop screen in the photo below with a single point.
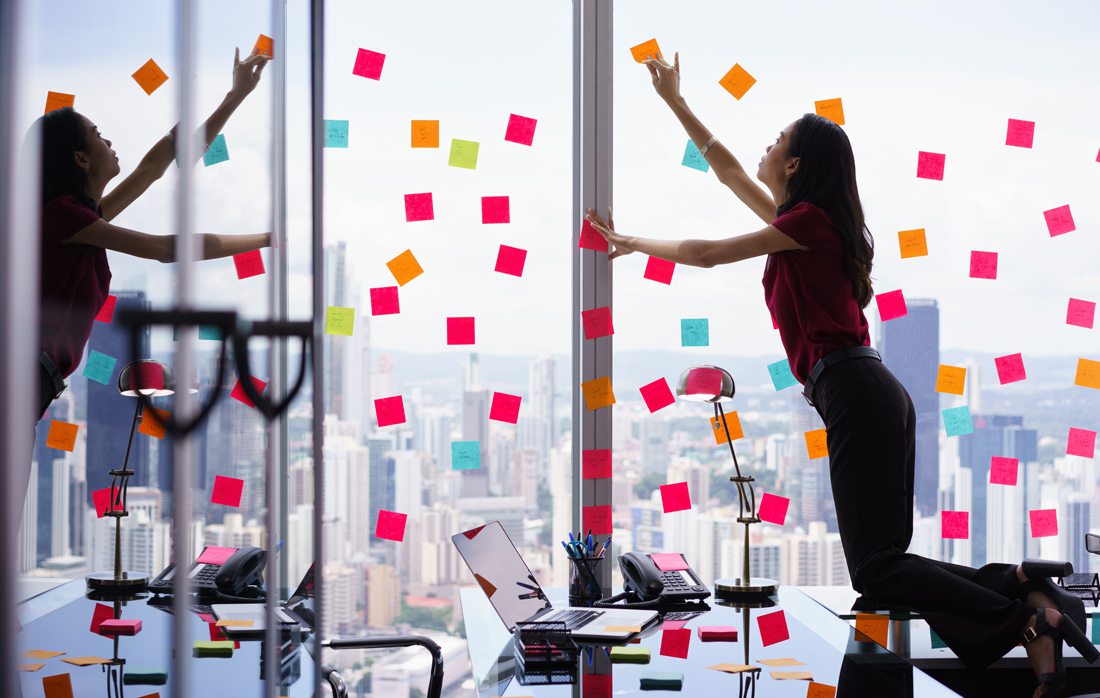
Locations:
(501, 573)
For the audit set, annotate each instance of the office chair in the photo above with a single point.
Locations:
(435, 683)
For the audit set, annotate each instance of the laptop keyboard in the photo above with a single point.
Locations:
(575, 618)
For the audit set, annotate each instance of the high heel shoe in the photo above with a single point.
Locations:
(1053, 682)
(1039, 573)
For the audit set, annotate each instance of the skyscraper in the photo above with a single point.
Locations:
(335, 347)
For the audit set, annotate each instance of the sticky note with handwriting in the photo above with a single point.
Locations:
(1081, 442)
(149, 76)
(58, 100)
(598, 393)
(1080, 313)
(99, 367)
(465, 455)
(340, 320)
(1010, 368)
(913, 243)
(1044, 522)
(957, 421)
(983, 265)
(930, 165)
(425, 133)
(597, 322)
(781, 374)
(463, 154)
(1003, 471)
(1059, 220)
(336, 133)
(1088, 373)
(817, 443)
(645, 50)
(737, 81)
(597, 518)
(62, 435)
(693, 158)
(951, 379)
(694, 332)
(831, 109)
(1020, 133)
(595, 463)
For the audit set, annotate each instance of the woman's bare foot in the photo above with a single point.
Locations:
(1035, 599)
(1040, 652)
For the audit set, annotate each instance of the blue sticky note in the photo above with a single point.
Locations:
(695, 332)
(782, 377)
(99, 367)
(957, 421)
(465, 455)
(336, 133)
(694, 159)
(217, 152)
(937, 641)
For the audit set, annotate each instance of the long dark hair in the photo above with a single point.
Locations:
(826, 177)
(62, 134)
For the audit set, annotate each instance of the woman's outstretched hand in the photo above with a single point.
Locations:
(666, 78)
(617, 243)
(246, 73)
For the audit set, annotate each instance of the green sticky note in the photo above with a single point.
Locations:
(145, 676)
(463, 154)
(99, 367)
(217, 152)
(695, 332)
(213, 648)
(782, 377)
(465, 455)
(340, 321)
(957, 421)
(212, 332)
(632, 654)
(694, 159)
(937, 641)
(661, 680)
(336, 133)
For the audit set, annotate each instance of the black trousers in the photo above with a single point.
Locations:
(870, 427)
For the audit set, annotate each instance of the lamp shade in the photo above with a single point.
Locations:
(146, 377)
(705, 384)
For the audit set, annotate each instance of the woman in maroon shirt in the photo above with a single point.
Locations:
(77, 164)
(816, 284)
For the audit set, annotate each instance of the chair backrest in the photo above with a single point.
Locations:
(1092, 543)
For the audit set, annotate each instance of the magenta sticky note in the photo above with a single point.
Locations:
(100, 613)
(368, 64)
(773, 508)
(1010, 368)
(227, 491)
(597, 518)
(120, 626)
(1003, 471)
(595, 463)
(930, 165)
(215, 555)
(983, 265)
(675, 497)
(773, 628)
(590, 239)
(389, 410)
(1044, 522)
(891, 305)
(510, 260)
(494, 209)
(1020, 133)
(248, 264)
(384, 301)
(657, 394)
(1081, 442)
(101, 500)
(675, 642)
(418, 207)
(597, 322)
(659, 270)
(391, 525)
(717, 633)
(1059, 220)
(669, 562)
(237, 393)
(521, 129)
(673, 624)
(1080, 313)
(460, 330)
(505, 408)
(704, 381)
(107, 310)
(955, 524)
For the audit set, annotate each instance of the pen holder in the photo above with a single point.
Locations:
(584, 581)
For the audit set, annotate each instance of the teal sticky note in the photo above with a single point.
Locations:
(782, 377)
(217, 152)
(694, 332)
(211, 332)
(148, 676)
(694, 159)
(937, 641)
(661, 680)
(465, 455)
(1095, 629)
(99, 367)
(956, 420)
(336, 133)
(463, 154)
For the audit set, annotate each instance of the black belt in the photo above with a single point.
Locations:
(832, 359)
(55, 375)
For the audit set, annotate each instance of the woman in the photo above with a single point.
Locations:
(77, 164)
(816, 284)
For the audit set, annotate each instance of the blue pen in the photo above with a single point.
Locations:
(571, 539)
(604, 548)
(590, 549)
(566, 549)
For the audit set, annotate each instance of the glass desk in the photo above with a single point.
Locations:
(60, 620)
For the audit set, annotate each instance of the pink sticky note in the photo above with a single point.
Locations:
(1080, 313)
(657, 394)
(119, 626)
(595, 463)
(368, 64)
(460, 330)
(983, 265)
(597, 686)
(1020, 133)
(389, 410)
(1044, 522)
(107, 311)
(659, 270)
(249, 264)
(101, 500)
(505, 408)
(1003, 471)
(703, 381)
(227, 491)
(521, 129)
(675, 497)
(215, 555)
(930, 165)
(384, 301)
(669, 562)
(391, 525)
(675, 642)
(510, 260)
(673, 624)
(590, 239)
(597, 322)
(955, 524)
(1010, 368)
(891, 305)
(418, 207)
(100, 613)
(238, 392)
(1059, 220)
(717, 633)
(1082, 442)
(494, 209)
(598, 518)
(773, 628)
(773, 508)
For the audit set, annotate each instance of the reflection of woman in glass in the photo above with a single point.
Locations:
(77, 164)
(816, 284)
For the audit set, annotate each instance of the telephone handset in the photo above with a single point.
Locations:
(238, 578)
(644, 580)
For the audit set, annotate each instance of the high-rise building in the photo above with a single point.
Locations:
(335, 347)
(382, 476)
(475, 427)
(536, 428)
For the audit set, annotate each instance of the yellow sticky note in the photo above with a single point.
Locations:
(234, 623)
(62, 435)
(86, 661)
(31, 667)
(404, 267)
(816, 444)
(1088, 373)
(831, 109)
(737, 81)
(150, 76)
(913, 243)
(264, 46)
(874, 626)
(821, 690)
(622, 629)
(785, 661)
(733, 668)
(149, 424)
(340, 320)
(41, 654)
(57, 686)
(425, 133)
(792, 676)
(733, 423)
(645, 50)
(58, 100)
(597, 393)
(951, 379)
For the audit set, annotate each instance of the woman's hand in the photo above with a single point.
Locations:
(246, 73)
(666, 78)
(618, 243)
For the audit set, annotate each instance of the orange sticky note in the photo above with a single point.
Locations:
(820, 690)
(816, 443)
(42, 654)
(57, 686)
(913, 243)
(737, 81)
(831, 109)
(150, 425)
(645, 50)
(31, 667)
(875, 626)
(792, 675)
(732, 422)
(1088, 373)
(404, 267)
(951, 379)
(62, 435)
(264, 45)
(86, 661)
(598, 393)
(150, 76)
(784, 661)
(425, 133)
(58, 100)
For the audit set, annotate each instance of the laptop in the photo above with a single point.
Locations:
(516, 596)
(296, 613)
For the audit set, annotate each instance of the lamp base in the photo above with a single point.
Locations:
(107, 583)
(734, 588)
